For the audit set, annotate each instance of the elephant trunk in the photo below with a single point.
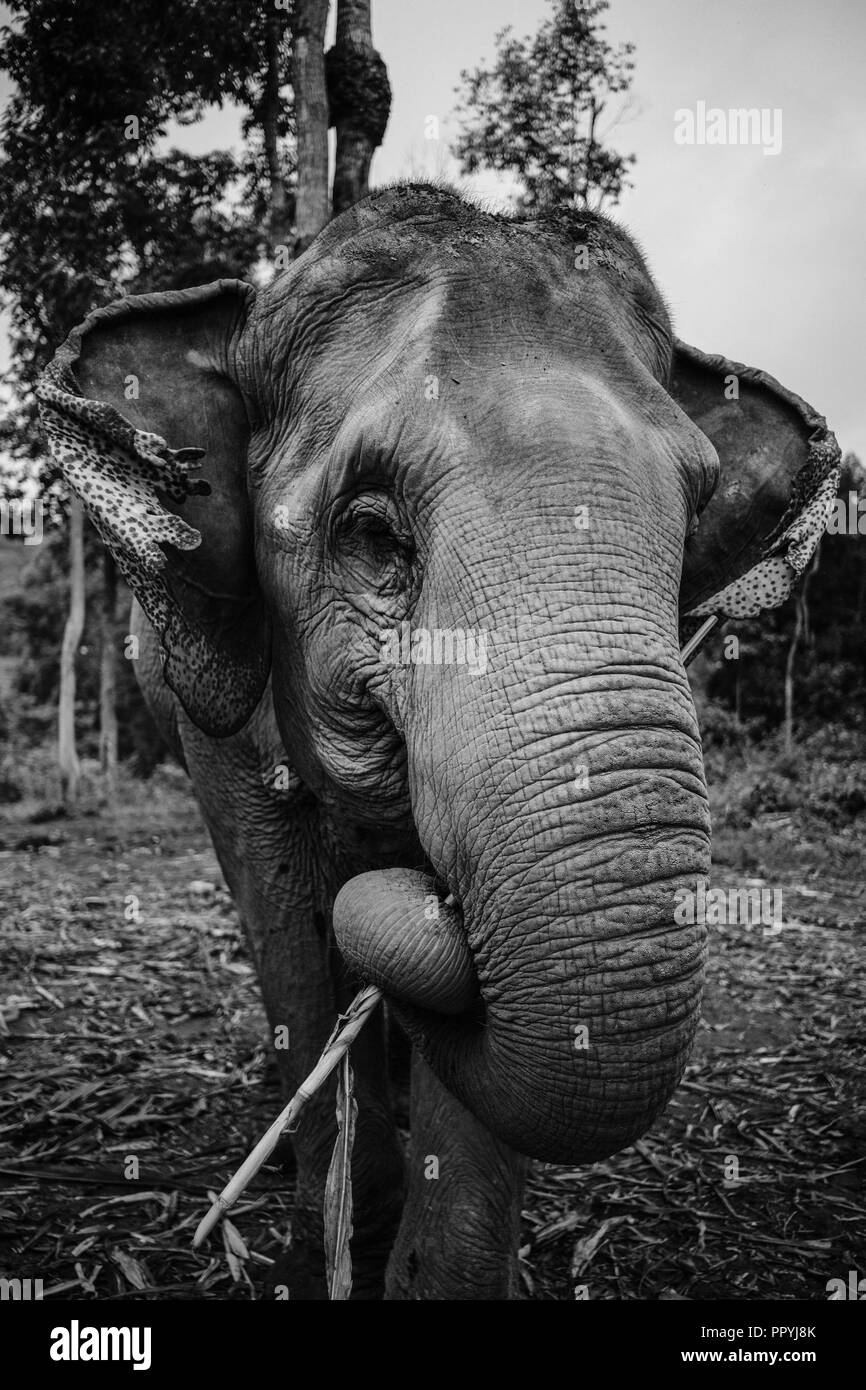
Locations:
(564, 830)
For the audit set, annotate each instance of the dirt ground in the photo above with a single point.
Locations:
(134, 1080)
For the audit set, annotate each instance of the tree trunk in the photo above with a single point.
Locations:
(108, 678)
(309, 18)
(359, 100)
(589, 167)
(801, 628)
(67, 756)
(279, 212)
(789, 676)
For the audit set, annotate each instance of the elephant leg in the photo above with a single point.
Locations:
(307, 1002)
(458, 1237)
(270, 853)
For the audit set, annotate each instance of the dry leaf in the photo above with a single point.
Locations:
(132, 1271)
(586, 1248)
(338, 1189)
(234, 1241)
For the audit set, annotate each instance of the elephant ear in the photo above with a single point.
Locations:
(778, 477)
(135, 380)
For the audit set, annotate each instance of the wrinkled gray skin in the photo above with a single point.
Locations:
(378, 494)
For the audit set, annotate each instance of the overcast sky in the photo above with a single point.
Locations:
(761, 257)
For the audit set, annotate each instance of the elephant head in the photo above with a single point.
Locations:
(463, 485)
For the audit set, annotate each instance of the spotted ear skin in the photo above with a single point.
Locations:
(779, 474)
(769, 583)
(117, 471)
(201, 595)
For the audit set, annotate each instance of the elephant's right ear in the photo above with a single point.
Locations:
(145, 373)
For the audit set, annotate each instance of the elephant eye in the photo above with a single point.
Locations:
(376, 543)
(375, 521)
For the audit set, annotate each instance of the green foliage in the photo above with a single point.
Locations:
(822, 783)
(91, 206)
(537, 112)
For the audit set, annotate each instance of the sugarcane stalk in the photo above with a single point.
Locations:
(346, 1031)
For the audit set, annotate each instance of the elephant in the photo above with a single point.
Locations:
(414, 533)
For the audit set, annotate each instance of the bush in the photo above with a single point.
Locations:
(823, 777)
(720, 727)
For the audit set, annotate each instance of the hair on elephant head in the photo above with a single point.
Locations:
(463, 485)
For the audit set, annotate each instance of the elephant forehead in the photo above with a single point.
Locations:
(416, 378)
(478, 283)
(490, 297)
(378, 359)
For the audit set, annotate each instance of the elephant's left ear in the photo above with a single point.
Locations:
(779, 474)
